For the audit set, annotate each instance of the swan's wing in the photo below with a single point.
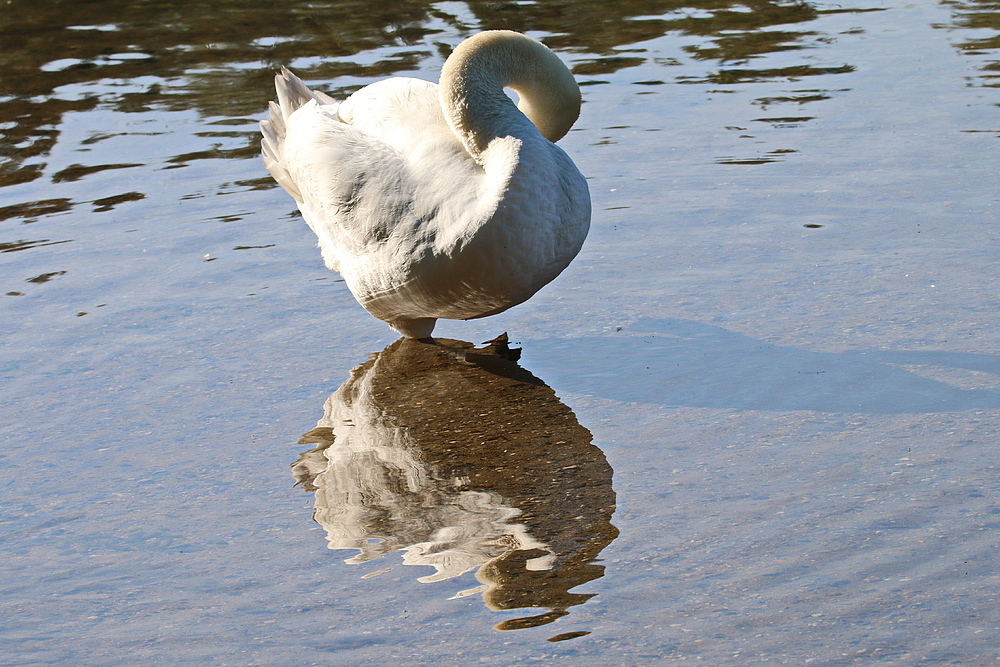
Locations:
(381, 178)
(451, 194)
(402, 112)
(355, 190)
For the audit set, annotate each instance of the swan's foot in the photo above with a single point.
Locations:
(420, 327)
(500, 347)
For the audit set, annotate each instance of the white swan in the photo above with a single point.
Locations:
(438, 201)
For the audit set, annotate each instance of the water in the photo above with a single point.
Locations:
(780, 337)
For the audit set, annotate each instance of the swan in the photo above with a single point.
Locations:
(438, 200)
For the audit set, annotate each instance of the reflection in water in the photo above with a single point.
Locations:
(982, 17)
(219, 58)
(466, 461)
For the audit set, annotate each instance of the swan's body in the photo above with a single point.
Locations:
(438, 201)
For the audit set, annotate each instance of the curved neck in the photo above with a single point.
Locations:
(473, 79)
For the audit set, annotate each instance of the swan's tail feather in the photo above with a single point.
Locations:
(292, 94)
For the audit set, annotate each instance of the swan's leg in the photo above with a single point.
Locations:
(420, 327)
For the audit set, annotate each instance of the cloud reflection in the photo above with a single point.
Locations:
(467, 462)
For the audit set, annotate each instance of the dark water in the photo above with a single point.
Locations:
(754, 422)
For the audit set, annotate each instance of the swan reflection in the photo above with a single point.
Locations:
(465, 461)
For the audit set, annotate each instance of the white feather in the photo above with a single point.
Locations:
(438, 202)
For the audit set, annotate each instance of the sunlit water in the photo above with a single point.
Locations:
(781, 337)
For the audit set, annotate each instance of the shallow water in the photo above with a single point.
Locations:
(780, 336)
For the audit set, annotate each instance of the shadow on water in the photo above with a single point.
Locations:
(467, 462)
(683, 363)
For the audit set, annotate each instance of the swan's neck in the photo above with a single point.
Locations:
(473, 79)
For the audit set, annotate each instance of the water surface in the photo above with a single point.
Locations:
(767, 392)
